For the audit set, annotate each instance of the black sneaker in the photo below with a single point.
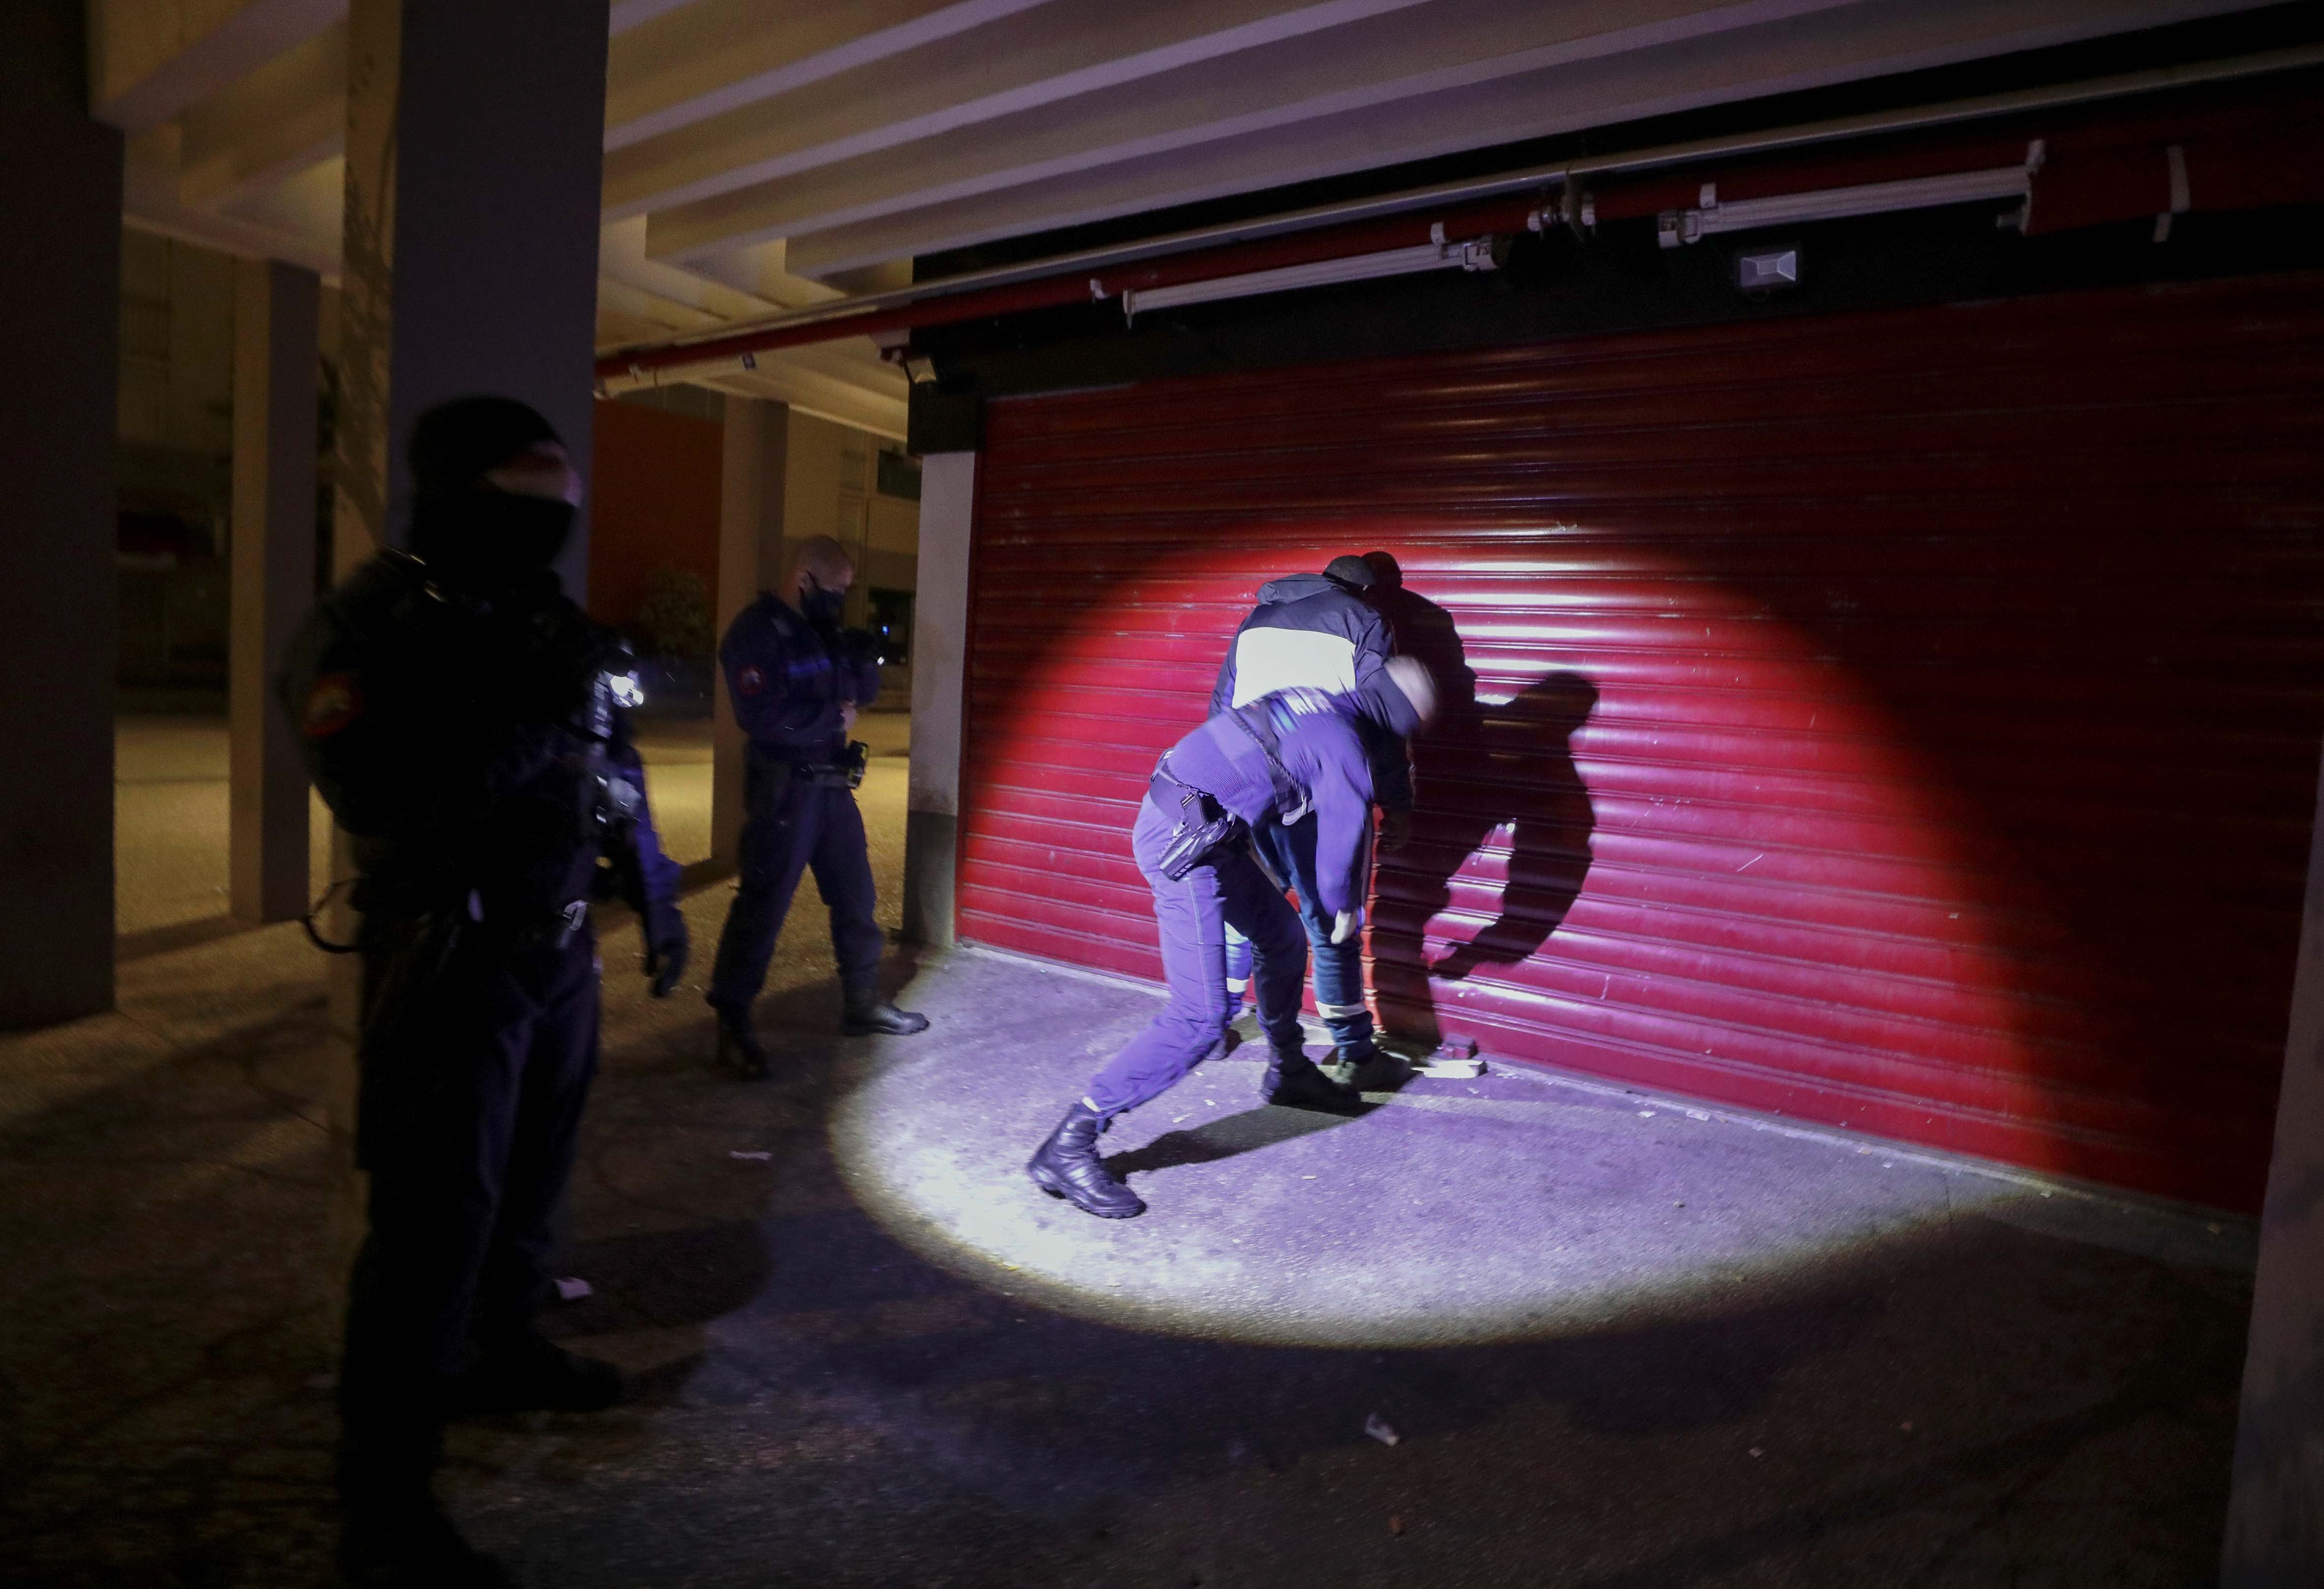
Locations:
(1293, 1081)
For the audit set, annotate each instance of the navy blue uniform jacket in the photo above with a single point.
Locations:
(788, 679)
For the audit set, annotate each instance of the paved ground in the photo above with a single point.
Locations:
(1617, 1345)
(170, 814)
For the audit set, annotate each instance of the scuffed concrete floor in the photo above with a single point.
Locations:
(1620, 1344)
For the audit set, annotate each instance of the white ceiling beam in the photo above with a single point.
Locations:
(688, 61)
(642, 314)
(626, 14)
(149, 203)
(1065, 49)
(846, 380)
(1861, 42)
(311, 204)
(744, 288)
(784, 380)
(1371, 61)
(760, 268)
(149, 59)
(286, 117)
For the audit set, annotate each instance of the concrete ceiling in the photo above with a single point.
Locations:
(762, 156)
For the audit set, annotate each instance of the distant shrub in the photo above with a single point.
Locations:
(674, 620)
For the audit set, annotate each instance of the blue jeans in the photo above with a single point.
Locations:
(1290, 853)
(1194, 914)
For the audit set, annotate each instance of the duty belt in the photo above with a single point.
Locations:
(554, 931)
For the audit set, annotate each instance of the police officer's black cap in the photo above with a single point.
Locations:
(453, 443)
(1350, 570)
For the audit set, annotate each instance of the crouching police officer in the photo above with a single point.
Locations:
(797, 681)
(1276, 758)
(467, 723)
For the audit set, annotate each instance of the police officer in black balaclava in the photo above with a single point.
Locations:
(468, 725)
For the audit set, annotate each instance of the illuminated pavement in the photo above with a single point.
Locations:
(1828, 1367)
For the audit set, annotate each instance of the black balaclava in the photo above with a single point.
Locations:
(469, 532)
(819, 606)
(1350, 572)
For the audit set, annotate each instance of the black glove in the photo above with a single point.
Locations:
(549, 658)
(859, 648)
(666, 947)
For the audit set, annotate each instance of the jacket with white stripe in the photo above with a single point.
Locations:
(1310, 631)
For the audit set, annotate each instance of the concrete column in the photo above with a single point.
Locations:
(475, 155)
(275, 307)
(60, 324)
(753, 485)
(939, 679)
(2275, 1509)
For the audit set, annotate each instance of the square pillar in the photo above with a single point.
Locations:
(753, 477)
(60, 328)
(2275, 1506)
(272, 560)
(939, 684)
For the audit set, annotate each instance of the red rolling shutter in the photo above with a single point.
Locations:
(1904, 721)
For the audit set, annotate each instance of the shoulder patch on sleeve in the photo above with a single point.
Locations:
(750, 680)
(334, 702)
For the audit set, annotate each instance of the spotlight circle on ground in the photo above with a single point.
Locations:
(1460, 1212)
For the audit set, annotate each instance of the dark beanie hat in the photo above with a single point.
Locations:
(1350, 570)
(455, 443)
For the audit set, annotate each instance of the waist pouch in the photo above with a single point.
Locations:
(1201, 826)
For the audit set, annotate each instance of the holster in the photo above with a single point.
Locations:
(1202, 828)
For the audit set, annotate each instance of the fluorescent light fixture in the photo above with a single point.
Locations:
(1476, 255)
(1677, 226)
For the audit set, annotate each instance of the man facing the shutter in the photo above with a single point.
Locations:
(1316, 631)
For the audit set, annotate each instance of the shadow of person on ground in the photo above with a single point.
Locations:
(1482, 766)
(1228, 1136)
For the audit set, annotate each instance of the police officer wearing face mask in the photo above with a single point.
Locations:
(796, 680)
(468, 726)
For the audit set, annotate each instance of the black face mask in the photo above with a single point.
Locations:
(819, 606)
(490, 542)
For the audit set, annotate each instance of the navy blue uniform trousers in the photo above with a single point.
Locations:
(1194, 914)
(792, 825)
(476, 1060)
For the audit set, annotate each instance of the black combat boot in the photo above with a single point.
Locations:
(398, 1537)
(1067, 1166)
(529, 1372)
(865, 1012)
(1293, 1081)
(738, 1054)
(394, 1533)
